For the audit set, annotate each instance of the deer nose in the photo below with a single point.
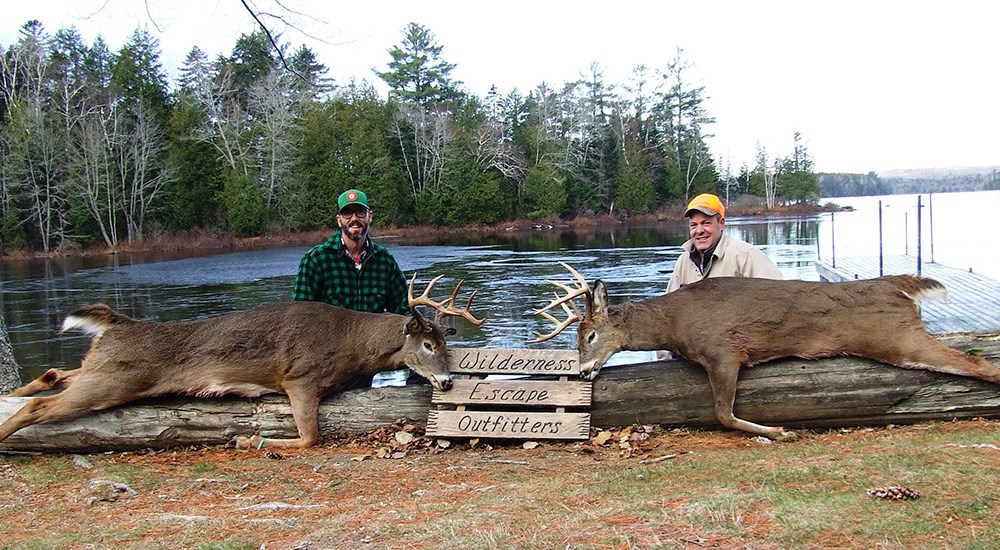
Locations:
(446, 384)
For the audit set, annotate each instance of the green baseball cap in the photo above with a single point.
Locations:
(352, 196)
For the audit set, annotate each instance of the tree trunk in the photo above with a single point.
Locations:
(794, 393)
(9, 378)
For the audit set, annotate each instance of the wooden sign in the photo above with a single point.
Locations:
(503, 424)
(523, 392)
(532, 362)
(545, 382)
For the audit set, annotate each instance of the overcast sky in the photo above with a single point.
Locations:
(870, 84)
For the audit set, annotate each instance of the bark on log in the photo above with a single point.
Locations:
(9, 378)
(838, 392)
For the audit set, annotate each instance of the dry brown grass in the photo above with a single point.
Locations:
(719, 490)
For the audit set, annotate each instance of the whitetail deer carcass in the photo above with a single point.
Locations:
(726, 323)
(303, 349)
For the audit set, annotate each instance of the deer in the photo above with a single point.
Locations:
(724, 324)
(305, 350)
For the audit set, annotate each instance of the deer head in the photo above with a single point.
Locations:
(424, 350)
(598, 337)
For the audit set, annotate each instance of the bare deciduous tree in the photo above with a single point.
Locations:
(95, 183)
(768, 172)
(423, 135)
(141, 166)
(494, 144)
(34, 162)
(270, 105)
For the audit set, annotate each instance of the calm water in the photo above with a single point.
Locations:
(508, 271)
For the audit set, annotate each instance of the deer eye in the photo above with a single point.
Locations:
(428, 347)
(591, 337)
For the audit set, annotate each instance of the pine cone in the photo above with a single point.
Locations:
(893, 492)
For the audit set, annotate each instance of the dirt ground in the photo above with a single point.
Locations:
(637, 487)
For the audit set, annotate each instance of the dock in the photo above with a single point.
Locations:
(973, 303)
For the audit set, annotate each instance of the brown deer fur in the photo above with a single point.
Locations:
(303, 349)
(726, 323)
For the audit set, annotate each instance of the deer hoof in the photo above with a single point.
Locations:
(787, 436)
(240, 442)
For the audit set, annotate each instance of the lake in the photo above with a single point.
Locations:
(508, 271)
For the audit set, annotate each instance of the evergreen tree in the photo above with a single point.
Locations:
(192, 198)
(682, 118)
(425, 98)
(634, 193)
(799, 183)
(310, 81)
(343, 145)
(252, 59)
(138, 75)
(417, 73)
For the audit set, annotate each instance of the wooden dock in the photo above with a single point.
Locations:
(973, 303)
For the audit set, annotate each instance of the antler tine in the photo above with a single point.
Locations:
(463, 313)
(447, 307)
(582, 289)
(576, 275)
(424, 299)
(571, 293)
(571, 318)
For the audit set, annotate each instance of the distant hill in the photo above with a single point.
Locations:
(920, 180)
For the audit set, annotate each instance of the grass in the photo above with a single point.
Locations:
(722, 490)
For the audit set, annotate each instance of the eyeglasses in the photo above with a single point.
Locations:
(348, 214)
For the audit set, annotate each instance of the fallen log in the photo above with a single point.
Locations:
(794, 393)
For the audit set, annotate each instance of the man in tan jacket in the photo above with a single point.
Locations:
(710, 253)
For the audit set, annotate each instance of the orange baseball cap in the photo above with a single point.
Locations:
(707, 204)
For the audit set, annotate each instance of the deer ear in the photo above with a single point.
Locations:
(415, 325)
(599, 302)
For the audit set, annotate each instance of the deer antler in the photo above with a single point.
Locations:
(582, 289)
(445, 308)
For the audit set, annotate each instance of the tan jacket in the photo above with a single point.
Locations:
(732, 258)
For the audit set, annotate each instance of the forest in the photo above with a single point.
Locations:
(909, 182)
(100, 147)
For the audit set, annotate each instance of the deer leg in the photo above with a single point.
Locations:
(52, 379)
(77, 400)
(922, 351)
(305, 411)
(723, 377)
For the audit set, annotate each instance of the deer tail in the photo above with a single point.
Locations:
(918, 288)
(93, 319)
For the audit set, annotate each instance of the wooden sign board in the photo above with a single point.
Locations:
(532, 362)
(524, 392)
(509, 425)
(492, 408)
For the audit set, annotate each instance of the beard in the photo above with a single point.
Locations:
(355, 230)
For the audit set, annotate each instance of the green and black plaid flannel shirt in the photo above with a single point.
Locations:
(326, 274)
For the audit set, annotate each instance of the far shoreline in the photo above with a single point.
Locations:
(208, 240)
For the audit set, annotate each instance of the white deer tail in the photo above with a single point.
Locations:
(93, 319)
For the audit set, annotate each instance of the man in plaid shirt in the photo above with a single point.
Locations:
(350, 271)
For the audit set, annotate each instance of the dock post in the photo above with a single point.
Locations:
(880, 261)
(919, 218)
(833, 242)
